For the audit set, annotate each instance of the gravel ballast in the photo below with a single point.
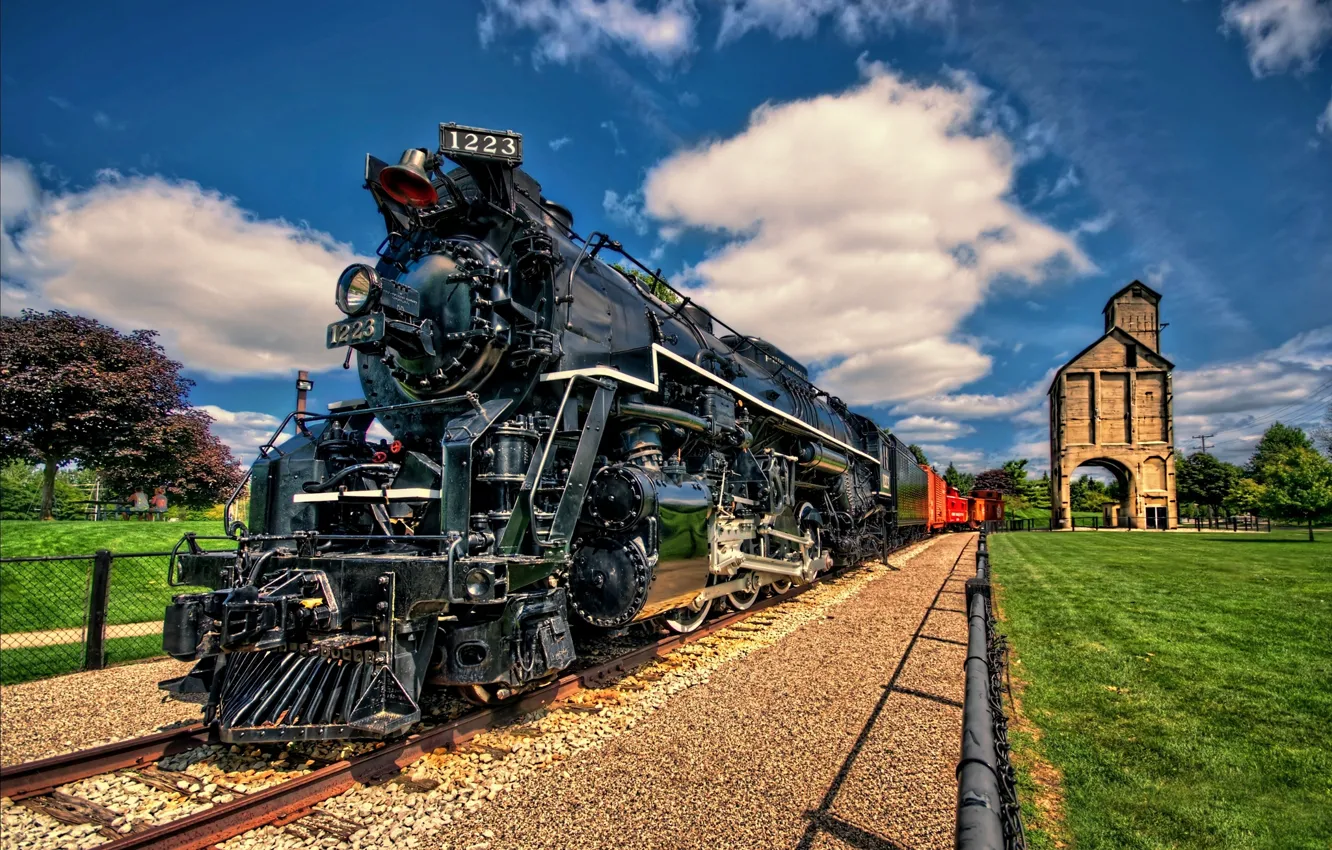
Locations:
(65, 713)
(745, 759)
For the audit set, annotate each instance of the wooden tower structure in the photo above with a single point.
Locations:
(1111, 407)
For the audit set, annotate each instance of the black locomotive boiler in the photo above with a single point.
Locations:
(570, 451)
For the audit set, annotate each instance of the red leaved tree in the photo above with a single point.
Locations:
(75, 390)
(180, 454)
(996, 479)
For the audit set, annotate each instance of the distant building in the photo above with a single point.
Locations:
(1111, 407)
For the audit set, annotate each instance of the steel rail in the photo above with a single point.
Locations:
(289, 801)
(30, 779)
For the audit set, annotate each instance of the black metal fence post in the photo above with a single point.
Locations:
(988, 812)
(99, 591)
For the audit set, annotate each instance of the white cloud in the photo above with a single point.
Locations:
(569, 30)
(1033, 416)
(855, 20)
(1100, 224)
(244, 431)
(842, 262)
(930, 429)
(966, 460)
(1236, 401)
(101, 119)
(60, 102)
(609, 127)
(1156, 274)
(1067, 182)
(1280, 35)
(1324, 124)
(556, 144)
(1035, 449)
(230, 294)
(979, 405)
(626, 210)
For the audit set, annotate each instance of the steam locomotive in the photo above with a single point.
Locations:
(576, 446)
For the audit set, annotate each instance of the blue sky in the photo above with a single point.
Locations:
(927, 200)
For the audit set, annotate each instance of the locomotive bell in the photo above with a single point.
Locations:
(407, 182)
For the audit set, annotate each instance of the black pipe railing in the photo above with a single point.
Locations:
(988, 813)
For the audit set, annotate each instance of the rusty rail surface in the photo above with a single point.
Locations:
(33, 778)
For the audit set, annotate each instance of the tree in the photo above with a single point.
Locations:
(919, 453)
(1299, 487)
(1323, 433)
(1087, 494)
(182, 455)
(73, 389)
(1037, 492)
(963, 481)
(21, 493)
(1244, 497)
(656, 286)
(1202, 479)
(996, 479)
(1276, 441)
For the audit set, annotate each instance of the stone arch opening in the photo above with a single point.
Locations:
(1122, 511)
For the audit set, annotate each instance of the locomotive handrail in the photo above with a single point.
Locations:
(304, 416)
(656, 275)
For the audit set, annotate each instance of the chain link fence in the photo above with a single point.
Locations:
(63, 614)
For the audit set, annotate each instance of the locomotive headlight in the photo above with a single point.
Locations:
(356, 289)
(478, 584)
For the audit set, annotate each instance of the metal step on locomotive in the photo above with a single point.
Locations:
(570, 451)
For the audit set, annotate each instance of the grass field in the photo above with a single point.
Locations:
(30, 538)
(1180, 683)
(44, 595)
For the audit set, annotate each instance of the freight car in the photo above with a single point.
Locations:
(571, 452)
(946, 509)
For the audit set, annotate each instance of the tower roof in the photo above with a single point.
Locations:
(1152, 293)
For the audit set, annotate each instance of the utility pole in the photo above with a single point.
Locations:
(1204, 438)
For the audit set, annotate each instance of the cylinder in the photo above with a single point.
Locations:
(822, 459)
(621, 497)
(513, 452)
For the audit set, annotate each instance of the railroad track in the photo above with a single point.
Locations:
(292, 799)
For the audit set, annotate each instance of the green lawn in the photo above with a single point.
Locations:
(1181, 683)
(30, 538)
(42, 595)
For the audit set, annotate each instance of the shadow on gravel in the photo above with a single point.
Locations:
(822, 819)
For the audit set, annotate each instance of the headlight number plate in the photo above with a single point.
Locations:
(356, 330)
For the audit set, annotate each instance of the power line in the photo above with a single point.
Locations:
(1296, 410)
(1202, 437)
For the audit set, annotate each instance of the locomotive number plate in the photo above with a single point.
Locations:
(455, 139)
(357, 330)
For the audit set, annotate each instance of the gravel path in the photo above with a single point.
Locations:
(81, 710)
(746, 759)
(55, 637)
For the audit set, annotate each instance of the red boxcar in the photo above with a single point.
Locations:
(959, 511)
(986, 506)
(938, 500)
